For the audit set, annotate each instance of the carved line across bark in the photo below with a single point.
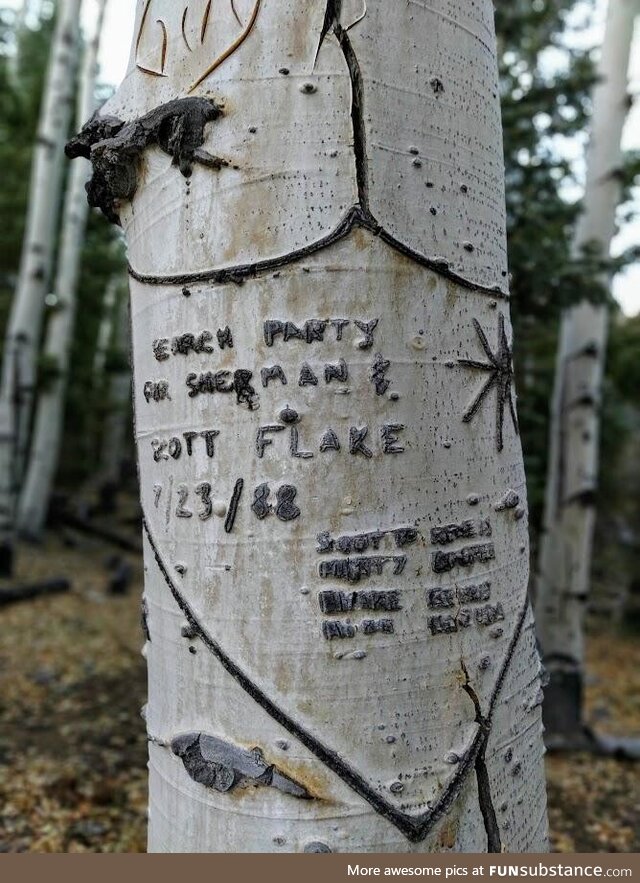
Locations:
(355, 217)
(357, 108)
(231, 49)
(220, 59)
(415, 829)
(487, 809)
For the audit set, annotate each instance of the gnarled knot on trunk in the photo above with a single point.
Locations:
(114, 148)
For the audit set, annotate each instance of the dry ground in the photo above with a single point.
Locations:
(72, 743)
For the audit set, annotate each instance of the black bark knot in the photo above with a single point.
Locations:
(114, 148)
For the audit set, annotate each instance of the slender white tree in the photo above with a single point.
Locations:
(341, 655)
(49, 418)
(114, 331)
(117, 424)
(22, 338)
(118, 421)
(105, 330)
(565, 554)
(114, 381)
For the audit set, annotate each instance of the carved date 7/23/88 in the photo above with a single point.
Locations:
(198, 500)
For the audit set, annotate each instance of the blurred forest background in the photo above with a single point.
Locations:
(72, 744)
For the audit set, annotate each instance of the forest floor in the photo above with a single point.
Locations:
(73, 747)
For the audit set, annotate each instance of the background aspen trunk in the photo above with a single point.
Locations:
(49, 418)
(105, 331)
(114, 338)
(25, 320)
(116, 433)
(564, 563)
(341, 655)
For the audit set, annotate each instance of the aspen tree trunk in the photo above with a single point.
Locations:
(116, 334)
(341, 655)
(49, 419)
(17, 383)
(105, 330)
(114, 436)
(564, 564)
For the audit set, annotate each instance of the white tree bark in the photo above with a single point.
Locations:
(49, 419)
(22, 337)
(116, 429)
(340, 652)
(564, 563)
(117, 421)
(105, 330)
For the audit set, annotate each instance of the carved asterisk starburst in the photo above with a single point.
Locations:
(500, 369)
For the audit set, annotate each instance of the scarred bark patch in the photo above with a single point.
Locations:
(217, 764)
(115, 147)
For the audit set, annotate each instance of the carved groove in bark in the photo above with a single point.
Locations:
(415, 830)
(494, 841)
(355, 218)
